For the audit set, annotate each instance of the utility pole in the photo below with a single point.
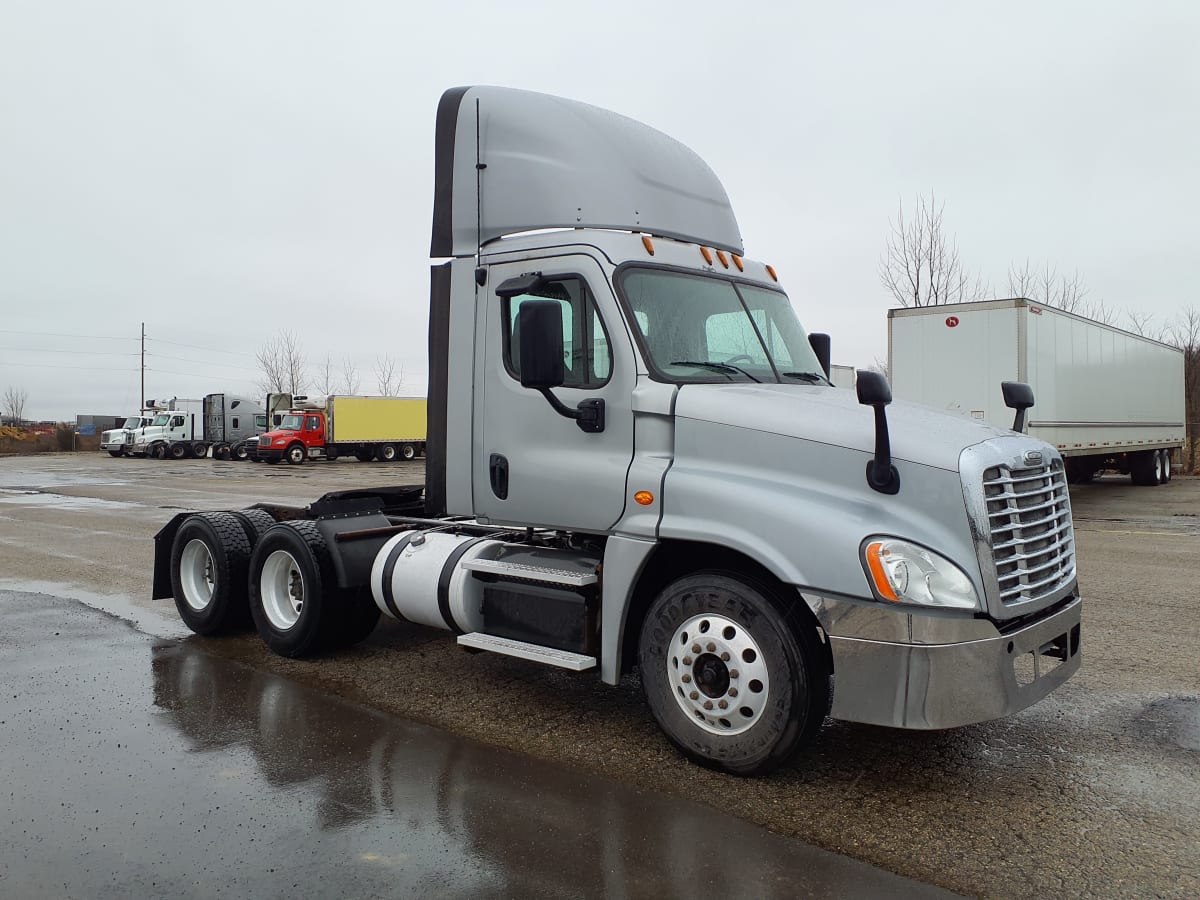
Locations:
(142, 401)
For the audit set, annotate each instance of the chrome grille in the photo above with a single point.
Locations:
(264, 442)
(1029, 517)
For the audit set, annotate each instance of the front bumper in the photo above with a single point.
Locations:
(945, 685)
(266, 454)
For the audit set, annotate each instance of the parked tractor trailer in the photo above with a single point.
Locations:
(1106, 398)
(636, 460)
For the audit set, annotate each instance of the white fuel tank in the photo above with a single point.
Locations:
(418, 576)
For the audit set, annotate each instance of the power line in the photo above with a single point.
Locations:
(60, 350)
(86, 337)
(202, 361)
(186, 374)
(197, 347)
(80, 368)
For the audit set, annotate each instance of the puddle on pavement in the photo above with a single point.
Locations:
(62, 501)
(157, 618)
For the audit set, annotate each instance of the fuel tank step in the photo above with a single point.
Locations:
(549, 656)
(544, 574)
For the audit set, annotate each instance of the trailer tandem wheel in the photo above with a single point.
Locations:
(734, 681)
(210, 558)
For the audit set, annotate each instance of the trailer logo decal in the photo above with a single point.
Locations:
(951, 321)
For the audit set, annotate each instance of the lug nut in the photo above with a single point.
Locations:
(711, 647)
(695, 695)
(687, 679)
(708, 704)
(695, 648)
(724, 657)
(733, 692)
(723, 704)
(733, 673)
(687, 660)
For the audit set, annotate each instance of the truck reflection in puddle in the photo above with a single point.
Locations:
(433, 806)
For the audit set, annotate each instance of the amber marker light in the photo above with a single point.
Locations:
(648, 244)
(707, 254)
(771, 272)
(737, 261)
(643, 498)
(883, 585)
(724, 260)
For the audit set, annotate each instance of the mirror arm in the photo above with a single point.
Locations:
(881, 474)
(589, 415)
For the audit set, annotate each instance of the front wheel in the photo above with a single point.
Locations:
(240, 453)
(735, 680)
(295, 454)
(114, 453)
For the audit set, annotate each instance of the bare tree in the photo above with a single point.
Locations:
(350, 378)
(1139, 323)
(920, 265)
(281, 363)
(881, 366)
(324, 378)
(386, 376)
(14, 404)
(1184, 333)
(1048, 287)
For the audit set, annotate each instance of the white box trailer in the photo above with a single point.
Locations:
(1105, 398)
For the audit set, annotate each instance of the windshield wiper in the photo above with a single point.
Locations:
(720, 367)
(810, 377)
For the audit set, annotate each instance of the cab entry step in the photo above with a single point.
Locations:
(563, 659)
(544, 574)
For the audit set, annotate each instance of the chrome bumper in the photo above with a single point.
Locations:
(945, 685)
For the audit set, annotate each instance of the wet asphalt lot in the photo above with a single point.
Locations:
(1094, 791)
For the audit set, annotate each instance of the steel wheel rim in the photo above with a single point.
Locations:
(197, 574)
(714, 660)
(281, 587)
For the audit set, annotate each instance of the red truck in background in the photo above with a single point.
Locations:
(368, 428)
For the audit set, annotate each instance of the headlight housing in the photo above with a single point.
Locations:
(279, 442)
(903, 572)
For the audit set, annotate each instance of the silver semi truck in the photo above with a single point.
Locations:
(636, 460)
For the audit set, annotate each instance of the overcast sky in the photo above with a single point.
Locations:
(223, 170)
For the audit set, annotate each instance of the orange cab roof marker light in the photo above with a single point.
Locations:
(737, 261)
(724, 260)
(771, 272)
(648, 244)
(707, 254)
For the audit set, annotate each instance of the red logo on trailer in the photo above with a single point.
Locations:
(951, 321)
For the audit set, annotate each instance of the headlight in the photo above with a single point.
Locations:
(903, 572)
(279, 442)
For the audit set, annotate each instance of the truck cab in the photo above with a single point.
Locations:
(636, 460)
(118, 441)
(299, 435)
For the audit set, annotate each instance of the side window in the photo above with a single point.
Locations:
(586, 356)
(260, 421)
(177, 422)
(314, 423)
(235, 422)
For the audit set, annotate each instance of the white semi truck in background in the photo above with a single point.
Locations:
(636, 459)
(188, 429)
(120, 441)
(1106, 398)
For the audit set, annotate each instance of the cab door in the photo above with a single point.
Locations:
(531, 465)
(314, 431)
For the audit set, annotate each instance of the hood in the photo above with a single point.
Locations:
(919, 434)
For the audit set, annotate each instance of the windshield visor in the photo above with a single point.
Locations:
(700, 328)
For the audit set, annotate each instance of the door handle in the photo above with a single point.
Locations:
(498, 471)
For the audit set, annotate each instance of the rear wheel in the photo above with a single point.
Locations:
(364, 454)
(255, 522)
(386, 452)
(178, 451)
(209, 562)
(408, 451)
(1164, 466)
(295, 454)
(240, 453)
(1144, 468)
(736, 682)
(331, 452)
(200, 450)
(294, 597)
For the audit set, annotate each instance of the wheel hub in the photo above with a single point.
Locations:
(717, 674)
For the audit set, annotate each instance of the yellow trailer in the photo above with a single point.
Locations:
(383, 428)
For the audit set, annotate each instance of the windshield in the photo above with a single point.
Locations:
(161, 420)
(292, 423)
(132, 423)
(701, 328)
